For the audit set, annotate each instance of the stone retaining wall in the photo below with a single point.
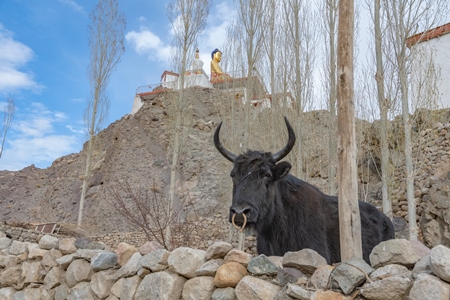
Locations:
(199, 234)
(73, 268)
(22, 234)
(431, 185)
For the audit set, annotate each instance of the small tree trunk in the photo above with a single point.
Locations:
(89, 155)
(349, 217)
(408, 155)
(332, 147)
(382, 102)
(176, 147)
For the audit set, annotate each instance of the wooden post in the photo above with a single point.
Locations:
(349, 218)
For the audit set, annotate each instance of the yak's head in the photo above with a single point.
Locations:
(254, 175)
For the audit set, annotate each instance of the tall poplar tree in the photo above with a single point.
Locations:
(106, 45)
(188, 18)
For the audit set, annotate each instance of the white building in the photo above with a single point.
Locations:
(436, 43)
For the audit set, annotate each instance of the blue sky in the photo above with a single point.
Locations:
(43, 61)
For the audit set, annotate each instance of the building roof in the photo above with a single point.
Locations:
(428, 35)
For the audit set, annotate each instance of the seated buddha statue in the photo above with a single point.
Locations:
(217, 75)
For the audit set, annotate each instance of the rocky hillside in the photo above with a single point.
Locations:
(136, 151)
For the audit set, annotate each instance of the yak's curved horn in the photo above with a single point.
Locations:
(227, 154)
(290, 144)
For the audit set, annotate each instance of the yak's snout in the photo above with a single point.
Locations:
(239, 216)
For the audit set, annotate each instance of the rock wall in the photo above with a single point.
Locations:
(21, 234)
(202, 234)
(73, 268)
(196, 234)
(432, 185)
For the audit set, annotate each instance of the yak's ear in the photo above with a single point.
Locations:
(282, 169)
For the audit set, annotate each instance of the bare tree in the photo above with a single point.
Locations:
(300, 42)
(405, 18)
(106, 45)
(269, 41)
(384, 108)
(250, 29)
(349, 217)
(144, 208)
(8, 116)
(188, 18)
(330, 11)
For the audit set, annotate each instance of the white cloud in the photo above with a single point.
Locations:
(215, 34)
(12, 79)
(37, 121)
(13, 56)
(77, 130)
(148, 43)
(40, 151)
(73, 5)
(35, 138)
(223, 11)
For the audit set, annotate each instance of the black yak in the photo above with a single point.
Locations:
(289, 214)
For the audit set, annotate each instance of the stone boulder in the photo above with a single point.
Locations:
(185, 261)
(298, 292)
(321, 277)
(131, 267)
(389, 282)
(261, 265)
(53, 278)
(252, 288)
(79, 270)
(48, 242)
(4, 243)
(103, 261)
(427, 286)
(350, 274)
(198, 288)
(224, 294)
(229, 274)
(124, 252)
(125, 288)
(11, 276)
(305, 260)
(81, 291)
(218, 250)
(67, 245)
(238, 256)
(290, 275)
(163, 285)
(18, 248)
(440, 262)
(49, 258)
(209, 268)
(396, 251)
(156, 260)
(102, 282)
(85, 243)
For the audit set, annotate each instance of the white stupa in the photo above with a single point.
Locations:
(196, 76)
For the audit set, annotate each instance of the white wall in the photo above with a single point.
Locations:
(440, 47)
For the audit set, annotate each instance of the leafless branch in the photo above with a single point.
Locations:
(8, 116)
